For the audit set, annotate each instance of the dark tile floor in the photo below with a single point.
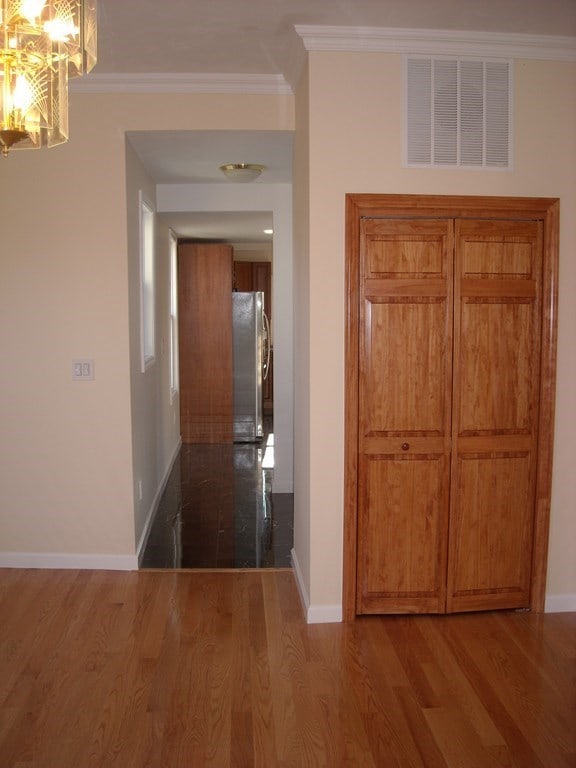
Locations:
(218, 511)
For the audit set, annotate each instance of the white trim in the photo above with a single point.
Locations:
(76, 561)
(154, 506)
(324, 614)
(302, 591)
(315, 614)
(434, 42)
(173, 344)
(560, 603)
(147, 310)
(458, 165)
(437, 42)
(180, 82)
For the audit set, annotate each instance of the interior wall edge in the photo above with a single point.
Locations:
(315, 613)
(156, 501)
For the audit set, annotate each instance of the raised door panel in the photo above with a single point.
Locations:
(404, 415)
(492, 531)
(403, 522)
(405, 358)
(496, 398)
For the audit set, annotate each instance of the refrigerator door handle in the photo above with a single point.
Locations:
(266, 366)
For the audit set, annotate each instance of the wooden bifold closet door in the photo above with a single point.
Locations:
(448, 407)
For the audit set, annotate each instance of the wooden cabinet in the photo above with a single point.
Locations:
(257, 276)
(205, 343)
(451, 357)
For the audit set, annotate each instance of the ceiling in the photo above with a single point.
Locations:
(195, 157)
(257, 37)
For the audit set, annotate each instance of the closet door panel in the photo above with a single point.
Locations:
(403, 561)
(495, 414)
(491, 531)
(405, 360)
(404, 410)
(498, 366)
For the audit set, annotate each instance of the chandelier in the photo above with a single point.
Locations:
(42, 44)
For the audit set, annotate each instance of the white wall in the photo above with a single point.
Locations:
(178, 198)
(355, 145)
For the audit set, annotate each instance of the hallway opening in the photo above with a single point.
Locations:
(218, 510)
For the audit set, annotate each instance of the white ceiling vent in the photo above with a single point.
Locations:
(458, 113)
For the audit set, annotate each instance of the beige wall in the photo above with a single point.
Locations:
(66, 475)
(301, 197)
(355, 130)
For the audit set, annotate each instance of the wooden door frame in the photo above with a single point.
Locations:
(546, 210)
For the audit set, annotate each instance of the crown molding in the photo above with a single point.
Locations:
(329, 38)
(181, 82)
(437, 42)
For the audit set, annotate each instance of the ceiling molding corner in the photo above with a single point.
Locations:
(437, 42)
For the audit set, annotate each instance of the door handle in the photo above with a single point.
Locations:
(266, 366)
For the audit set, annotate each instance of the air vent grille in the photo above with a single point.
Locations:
(458, 113)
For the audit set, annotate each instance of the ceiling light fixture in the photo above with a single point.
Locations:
(42, 44)
(242, 171)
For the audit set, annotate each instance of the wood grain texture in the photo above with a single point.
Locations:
(498, 243)
(194, 669)
(205, 342)
(497, 330)
(405, 359)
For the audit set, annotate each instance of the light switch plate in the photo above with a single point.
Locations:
(83, 369)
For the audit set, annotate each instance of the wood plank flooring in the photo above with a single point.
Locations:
(193, 669)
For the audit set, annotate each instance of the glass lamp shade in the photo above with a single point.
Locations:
(242, 172)
(42, 43)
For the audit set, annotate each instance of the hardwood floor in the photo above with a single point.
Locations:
(193, 669)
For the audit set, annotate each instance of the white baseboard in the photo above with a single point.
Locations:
(65, 561)
(154, 506)
(324, 614)
(315, 614)
(82, 561)
(304, 599)
(560, 604)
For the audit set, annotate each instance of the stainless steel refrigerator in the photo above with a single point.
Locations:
(250, 347)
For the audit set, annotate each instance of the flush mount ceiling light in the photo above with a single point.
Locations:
(42, 44)
(242, 171)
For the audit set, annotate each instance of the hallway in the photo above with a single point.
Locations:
(218, 510)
